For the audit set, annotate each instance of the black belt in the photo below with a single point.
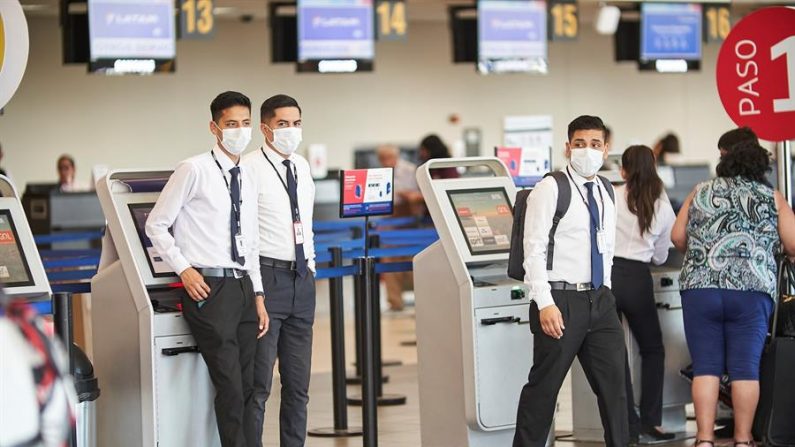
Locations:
(222, 272)
(563, 285)
(276, 263)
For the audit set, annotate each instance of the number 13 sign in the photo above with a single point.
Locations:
(756, 73)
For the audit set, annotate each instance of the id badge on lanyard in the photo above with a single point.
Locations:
(240, 244)
(601, 241)
(298, 232)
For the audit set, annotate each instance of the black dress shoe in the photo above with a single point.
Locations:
(657, 435)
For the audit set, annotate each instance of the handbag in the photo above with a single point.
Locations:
(784, 318)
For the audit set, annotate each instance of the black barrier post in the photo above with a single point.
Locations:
(374, 241)
(62, 319)
(365, 268)
(370, 292)
(339, 396)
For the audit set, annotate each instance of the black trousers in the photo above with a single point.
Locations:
(634, 291)
(290, 300)
(225, 329)
(593, 334)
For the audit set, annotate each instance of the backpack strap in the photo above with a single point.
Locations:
(564, 200)
(608, 187)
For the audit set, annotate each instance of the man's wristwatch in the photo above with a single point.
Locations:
(260, 294)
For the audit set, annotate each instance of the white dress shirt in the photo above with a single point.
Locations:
(651, 246)
(572, 257)
(405, 179)
(276, 236)
(197, 203)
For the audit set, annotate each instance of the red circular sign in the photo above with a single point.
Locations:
(756, 73)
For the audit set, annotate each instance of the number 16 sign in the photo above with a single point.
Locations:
(756, 73)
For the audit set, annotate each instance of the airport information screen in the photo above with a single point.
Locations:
(335, 29)
(158, 267)
(14, 269)
(133, 29)
(512, 36)
(670, 31)
(485, 217)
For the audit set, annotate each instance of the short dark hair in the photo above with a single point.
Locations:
(748, 160)
(670, 143)
(608, 134)
(227, 100)
(65, 157)
(587, 122)
(735, 136)
(269, 106)
(435, 147)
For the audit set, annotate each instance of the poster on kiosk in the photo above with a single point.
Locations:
(366, 192)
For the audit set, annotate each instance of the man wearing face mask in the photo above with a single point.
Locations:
(287, 261)
(209, 201)
(567, 270)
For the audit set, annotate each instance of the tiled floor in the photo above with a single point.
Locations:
(398, 426)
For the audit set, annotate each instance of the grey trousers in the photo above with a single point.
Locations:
(290, 301)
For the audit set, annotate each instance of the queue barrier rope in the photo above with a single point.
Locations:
(67, 237)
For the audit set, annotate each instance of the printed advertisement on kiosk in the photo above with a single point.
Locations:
(366, 192)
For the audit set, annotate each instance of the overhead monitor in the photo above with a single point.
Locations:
(157, 266)
(670, 31)
(366, 192)
(14, 268)
(485, 218)
(131, 36)
(335, 36)
(527, 165)
(512, 36)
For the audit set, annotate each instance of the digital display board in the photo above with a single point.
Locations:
(670, 31)
(485, 217)
(131, 36)
(366, 192)
(527, 165)
(14, 269)
(512, 36)
(158, 267)
(335, 35)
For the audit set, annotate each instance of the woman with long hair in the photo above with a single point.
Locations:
(643, 236)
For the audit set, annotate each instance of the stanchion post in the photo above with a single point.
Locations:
(339, 391)
(365, 269)
(375, 296)
(62, 319)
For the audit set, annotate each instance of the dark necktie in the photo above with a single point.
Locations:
(597, 264)
(292, 191)
(234, 225)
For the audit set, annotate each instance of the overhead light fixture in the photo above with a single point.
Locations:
(671, 65)
(607, 19)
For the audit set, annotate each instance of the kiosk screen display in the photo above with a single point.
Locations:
(14, 269)
(485, 217)
(158, 267)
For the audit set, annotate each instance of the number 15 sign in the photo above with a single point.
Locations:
(756, 73)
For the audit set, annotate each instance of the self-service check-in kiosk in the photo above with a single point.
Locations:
(676, 390)
(473, 342)
(21, 270)
(156, 385)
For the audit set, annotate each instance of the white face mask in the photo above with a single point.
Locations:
(586, 161)
(236, 139)
(286, 140)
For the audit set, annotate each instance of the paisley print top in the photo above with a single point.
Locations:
(732, 237)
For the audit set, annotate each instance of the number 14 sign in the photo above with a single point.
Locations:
(756, 73)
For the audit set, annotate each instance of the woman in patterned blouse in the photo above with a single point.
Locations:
(730, 229)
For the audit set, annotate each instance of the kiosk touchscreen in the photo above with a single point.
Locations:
(471, 316)
(144, 353)
(21, 270)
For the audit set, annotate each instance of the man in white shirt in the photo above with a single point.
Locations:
(209, 201)
(287, 261)
(573, 311)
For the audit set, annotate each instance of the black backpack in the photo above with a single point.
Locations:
(516, 256)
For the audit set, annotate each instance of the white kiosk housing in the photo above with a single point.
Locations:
(156, 389)
(473, 340)
(21, 270)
